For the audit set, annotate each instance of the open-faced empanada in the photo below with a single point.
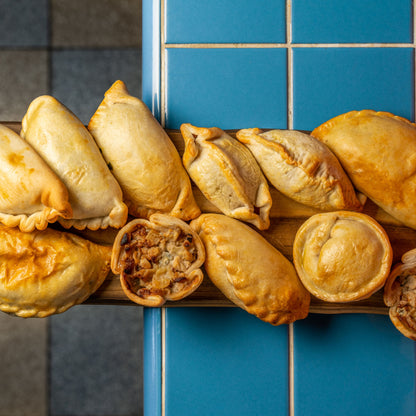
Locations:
(400, 295)
(302, 168)
(342, 256)
(378, 152)
(250, 271)
(227, 174)
(47, 272)
(31, 195)
(158, 259)
(142, 157)
(70, 151)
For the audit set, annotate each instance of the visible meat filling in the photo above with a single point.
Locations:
(405, 306)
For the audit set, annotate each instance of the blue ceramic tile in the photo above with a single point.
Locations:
(352, 21)
(331, 81)
(229, 88)
(223, 361)
(217, 21)
(352, 365)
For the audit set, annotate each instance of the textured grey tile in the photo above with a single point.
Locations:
(23, 77)
(80, 78)
(96, 361)
(92, 23)
(23, 366)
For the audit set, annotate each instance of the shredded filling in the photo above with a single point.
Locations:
(406, 304)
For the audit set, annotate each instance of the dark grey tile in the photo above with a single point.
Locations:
(23, 23)
(80, 78)
(96, 361)
(96, 23)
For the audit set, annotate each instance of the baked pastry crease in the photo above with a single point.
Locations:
(227, 174)
(249, 271)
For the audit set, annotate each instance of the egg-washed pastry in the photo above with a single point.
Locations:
(378, 152)
(400, 295)
(31, 195)
(67, 147)
(142, 157)
(249, 271)
(158, 259)
(302, 168)
(47, 272)
(227, 174)
(342, 256)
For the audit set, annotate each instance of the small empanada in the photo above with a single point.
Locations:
(227, 174)
(47, 272)
(31, 195)
(158, 259)
(67, 147)
(302, 168)
(142, 157)
(249, 271)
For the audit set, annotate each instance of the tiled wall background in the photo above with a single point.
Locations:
(87, 361)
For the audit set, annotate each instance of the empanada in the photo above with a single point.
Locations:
(70, 151)
(250, 271)
(302, 168)
(227, 174)
(31, 195)
(342, 256)
(142, 157)
(158, 259)
(378, 152)
(47, 272)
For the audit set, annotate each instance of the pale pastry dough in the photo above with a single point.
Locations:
(250, 271)
(378, 152)
(158, 259)
(47, 272)
(342, 256)
(142, 157)
(31, 195)
(302, 168)
(70, 151)
(227, 174)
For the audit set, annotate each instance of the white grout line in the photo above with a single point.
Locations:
(291, 373)
(163, 364)
(162, 65)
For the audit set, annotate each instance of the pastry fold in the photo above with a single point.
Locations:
(227, 174)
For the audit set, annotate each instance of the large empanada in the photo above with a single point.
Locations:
(302, 168)
(70, 151)
(142, 157)
(227, 174)
(250, 271)
(47, 272)
(378, 152)
(31, 195)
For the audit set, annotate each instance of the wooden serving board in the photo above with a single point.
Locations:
(286, 217)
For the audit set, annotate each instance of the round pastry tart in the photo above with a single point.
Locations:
(342, 256)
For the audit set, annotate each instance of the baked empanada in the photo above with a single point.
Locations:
(378, 152)
(227, 174)
(67, 147)
(250, 271)
(158, 259)
(342, 256)
(302, 168)
(142, 157)
(47, 272)
(31, 195)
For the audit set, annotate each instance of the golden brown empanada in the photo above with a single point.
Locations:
(31, 195)
(378, 152)
(400, 295)
(342, 256)
(47, 272)
(251, 272)
(70, 151)
(302, 168)
(142, 157)
(158, 259)
(227, 174)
